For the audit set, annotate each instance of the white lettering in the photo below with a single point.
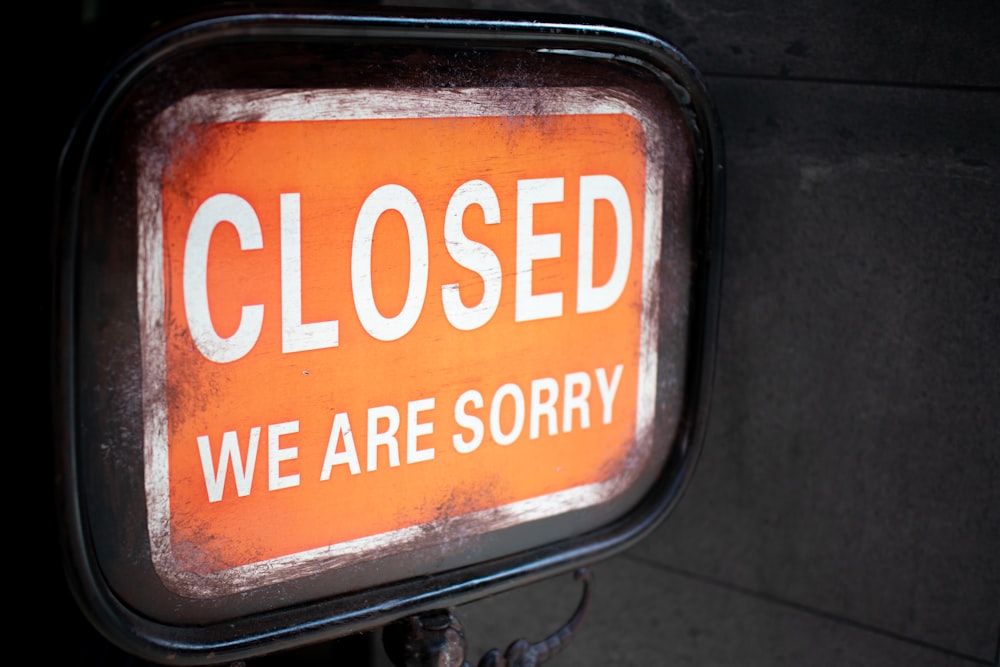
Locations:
(531, 246)
(590, 298)
(608, 391)
(415, 429)
(576, 401)
(387, 437)
(276, 454)
(471, 255)
(545, 408)
(471, 422)
(215, 477)
(386, 198)
(508, 414)
(341, 430)
(496, 431)
(296, 336)
(212, 212)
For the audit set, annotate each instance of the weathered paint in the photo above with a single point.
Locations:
(203, 145)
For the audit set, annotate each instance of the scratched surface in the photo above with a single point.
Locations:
(520, 458)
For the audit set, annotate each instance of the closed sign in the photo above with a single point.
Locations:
(367, 314)
(374, 316)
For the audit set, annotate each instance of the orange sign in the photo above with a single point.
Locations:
(373, 319)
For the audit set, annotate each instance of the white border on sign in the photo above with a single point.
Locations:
(280, 105)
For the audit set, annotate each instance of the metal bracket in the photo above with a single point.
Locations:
(437, 639)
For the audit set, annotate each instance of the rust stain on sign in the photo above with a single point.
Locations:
(382, 319)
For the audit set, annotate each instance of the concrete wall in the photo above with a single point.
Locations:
(846, 508)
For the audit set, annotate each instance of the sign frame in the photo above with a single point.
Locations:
(97, 429)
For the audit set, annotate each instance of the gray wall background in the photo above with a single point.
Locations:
(846, 507)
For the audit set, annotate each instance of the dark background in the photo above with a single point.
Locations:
(846, 507)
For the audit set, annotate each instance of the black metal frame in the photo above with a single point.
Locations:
(288, 627)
